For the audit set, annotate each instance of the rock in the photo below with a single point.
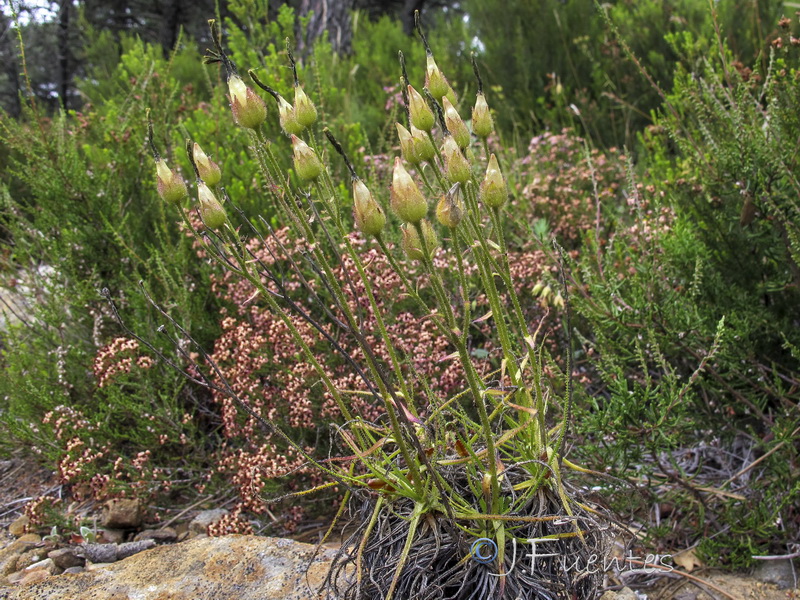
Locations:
(226, 568)
(47, 565)
(11, 553)
(778, 572)
(72, 570)
(100, 553)
(108, 553)
(18, 526)
(15, 578)
(203, 519)
(27, 558)
(131, 548)
(623, 594)
(65, 558)
(111, 536)
(182, 530)
(123, 513)
(34, 576)
(30, 538)
(167, 535)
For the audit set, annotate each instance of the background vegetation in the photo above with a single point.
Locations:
(656, 141)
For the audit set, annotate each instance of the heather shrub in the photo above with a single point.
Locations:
(564, 185)
(544, 57)
(690, 309)
(75, 218)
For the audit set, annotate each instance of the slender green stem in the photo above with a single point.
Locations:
(487, 276)
(387, 395)
(387, 341)
(521, 324)
(462, 281)
(231, 246)
(438, 172)
(491, 265)
(299, 218)
(472, 376)
(435, 148)
(416, 515)
(255, 280)
(411, 291)
(421, 171)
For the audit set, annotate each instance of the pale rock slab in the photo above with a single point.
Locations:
(226, 568)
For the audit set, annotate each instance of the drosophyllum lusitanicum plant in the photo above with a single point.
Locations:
(446, 492)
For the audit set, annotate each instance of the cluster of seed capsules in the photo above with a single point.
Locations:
(417, 144)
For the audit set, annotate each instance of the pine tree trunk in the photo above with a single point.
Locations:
(64, 75)
(172, 23)
(8, 56)
(332, 16)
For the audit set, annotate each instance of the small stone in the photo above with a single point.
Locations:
(11, 553)
(96, 566)
(778, 572)
(111, 536)
(182, 531)
(205, 518)
(131, 548)
(34, 576)
(73, 570)
(167, 535)
(18, 526)
(27, 558)
(65, 558)
(15, 577)
(47, 564)
(109, 553)
(123, 513)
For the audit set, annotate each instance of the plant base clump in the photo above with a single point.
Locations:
(444, 560)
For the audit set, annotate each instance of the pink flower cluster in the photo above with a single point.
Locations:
(120, 356)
